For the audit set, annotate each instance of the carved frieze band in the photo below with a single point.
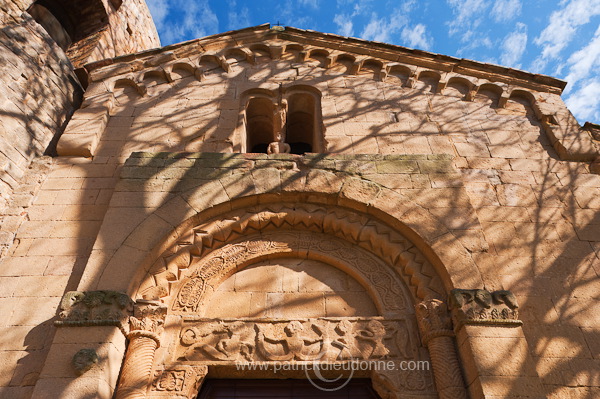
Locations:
(94, 308)
(484, 307)
(275, 340)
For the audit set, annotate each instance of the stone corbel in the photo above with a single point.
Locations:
(593, 128)
(83, 131)
(94, 308)
(482, 307)
(441, 86)
(503, 99)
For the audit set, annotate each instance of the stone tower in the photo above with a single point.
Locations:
(279, 197)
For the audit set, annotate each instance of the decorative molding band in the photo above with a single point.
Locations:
(94, 308)
(481, 307)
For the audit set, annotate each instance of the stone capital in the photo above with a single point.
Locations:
(94, 308)
(147, 320)
(482, 307)
(434, 320)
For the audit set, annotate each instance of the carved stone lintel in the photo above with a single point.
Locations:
(484, 308)
(94, 308)
(316, 340)
(178, 381)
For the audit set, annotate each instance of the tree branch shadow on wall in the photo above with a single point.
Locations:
(542, 328)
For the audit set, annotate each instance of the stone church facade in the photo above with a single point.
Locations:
(254, 204)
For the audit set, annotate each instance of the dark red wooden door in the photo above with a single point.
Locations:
(284, 389)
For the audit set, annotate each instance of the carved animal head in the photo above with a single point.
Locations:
(483, 298)
(70, 299)
(84, 360)
(458, 297)
(505, 297)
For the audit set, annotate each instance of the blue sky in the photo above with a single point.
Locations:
(557, 38)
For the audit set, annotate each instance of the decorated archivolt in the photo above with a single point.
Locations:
(377, 253)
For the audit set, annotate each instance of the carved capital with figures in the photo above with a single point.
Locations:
(484, 307)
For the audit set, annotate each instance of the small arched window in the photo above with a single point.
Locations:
(300, 132)
(259, 124)
(288, 121)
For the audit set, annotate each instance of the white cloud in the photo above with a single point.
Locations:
(562, 27)
(584, 102)
(382, 29)
(408, 5)
(237, 19)
(513, 46)
(417, 37)
(468, 15)
(195, 19)
(345, 25)
(310, 3)
(287, 13)
(159, 10)
(585, 61)
(476, 42)
(506, 10)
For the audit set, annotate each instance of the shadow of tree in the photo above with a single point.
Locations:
(521, 194)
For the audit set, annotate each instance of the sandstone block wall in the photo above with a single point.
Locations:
(495, 166)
